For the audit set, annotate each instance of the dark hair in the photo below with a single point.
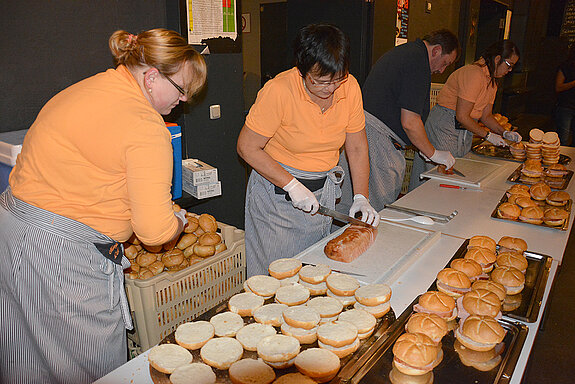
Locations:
(323, 48)
(444, 38)
(503, 48)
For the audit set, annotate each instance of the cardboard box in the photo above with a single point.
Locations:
(196, 172)
(203, 191)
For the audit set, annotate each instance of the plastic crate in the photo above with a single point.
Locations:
(433, 92)
(161, 303)
(409, 155)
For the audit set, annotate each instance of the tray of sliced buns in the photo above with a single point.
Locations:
(303, 324)
(464, 328)
(533, 171)
(537, 205)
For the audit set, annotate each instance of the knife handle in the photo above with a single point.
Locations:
(280, 191)
(449, 186)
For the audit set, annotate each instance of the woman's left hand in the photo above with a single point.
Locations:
(512, 136)
(368, 214)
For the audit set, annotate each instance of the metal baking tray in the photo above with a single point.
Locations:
(376, 367)
(487, 149)
(535, 281)
(222, 375)
(564, 227)
(517, 177)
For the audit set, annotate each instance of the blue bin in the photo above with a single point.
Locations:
(176, 132)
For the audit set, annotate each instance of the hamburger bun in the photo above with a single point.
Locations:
(286, 267)
(414, 354)
(167, 357)
(483, 361)
(221, 352)
(337, 334)
(315, 289)
(470, 267)
(532, 215)
(556, 170)
(244, 304)
(480, 333)
(512, 302)
(193, 335)
(314, 274)
(373, 294)
(301, 316)
(251, 334)
(292, 294)
(261, 285)
(508, 243)
(481, 241)
(557, 198)
(508, 211)
(363, 320)
(453, 282)
(376, 310)
(227, 324)
(195, 373)
(429, 324)
(492, 286)
(271, 314)
(397, 377)
(320, 364)
(512, 259)
(278, 348)
(294, 378)
(250, 371)
(326, 306)
(341, 352)
(511, 278)
(345, 300)
(555, 217)
(484, 257)
(518, 189)
(539, 191)
(522, 201)
(550, 138)
(438, 303)
(536, 135)
(342, 284)
(304, 336)
(480, 302)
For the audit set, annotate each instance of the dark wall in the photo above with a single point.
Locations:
(46, 46)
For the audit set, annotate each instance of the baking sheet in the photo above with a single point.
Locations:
(554, 182)
(395, 248)
(564, 227)
(535, 281)
(476, 172)
(489, 150)
(222, 376)
(451, 370)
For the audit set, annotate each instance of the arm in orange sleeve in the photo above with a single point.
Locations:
(149, 165)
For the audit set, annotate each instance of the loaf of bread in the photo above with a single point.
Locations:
(348, 246)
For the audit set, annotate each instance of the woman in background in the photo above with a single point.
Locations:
(467, 98)
(565, 88)
(291, 139)
(95, 167)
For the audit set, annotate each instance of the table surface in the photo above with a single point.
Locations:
(473, 218)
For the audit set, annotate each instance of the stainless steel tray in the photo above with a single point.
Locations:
(562, 183)
(222, 375)
(564, 227)
(535, 281)
(487, 149)
(378, 363)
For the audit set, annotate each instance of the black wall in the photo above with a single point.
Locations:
(46, 46)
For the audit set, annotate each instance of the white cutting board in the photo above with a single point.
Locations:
(476, 172)
(396, 247)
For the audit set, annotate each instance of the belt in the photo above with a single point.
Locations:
(311, 184)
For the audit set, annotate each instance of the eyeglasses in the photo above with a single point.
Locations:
(324, 84)
(509, 65)
(180, 89)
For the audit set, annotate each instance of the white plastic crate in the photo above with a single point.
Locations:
(163, 302)
(433, 92)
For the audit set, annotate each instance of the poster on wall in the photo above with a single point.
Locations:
(209, 19)
(402, 22)
(568, 25)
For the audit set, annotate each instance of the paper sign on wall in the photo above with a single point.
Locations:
(211, 19)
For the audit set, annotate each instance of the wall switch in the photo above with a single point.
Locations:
(215, 112)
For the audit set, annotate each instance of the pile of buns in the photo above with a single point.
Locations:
(475, 292)
(274, 318)
(198, 241)
(543, 146)
(535, 204)
(533, 171)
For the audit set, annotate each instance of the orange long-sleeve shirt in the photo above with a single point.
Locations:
(100, 154)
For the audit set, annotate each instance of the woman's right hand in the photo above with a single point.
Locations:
(443, 157)
(301, 197)
(495, 139)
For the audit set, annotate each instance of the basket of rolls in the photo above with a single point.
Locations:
(172, 284)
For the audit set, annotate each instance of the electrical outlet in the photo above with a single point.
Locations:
(215, 112)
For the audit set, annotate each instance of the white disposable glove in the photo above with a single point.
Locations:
(301, 197)
(495, 139)
(368, 214)
(443, 157)
(512, 136)
(181, 215)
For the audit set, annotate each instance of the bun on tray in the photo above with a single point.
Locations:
(453, 282)
(167, 357)
(250, 371)
(480, 333)
(511, 278)
(508, 243)
(414, 354)
(532, 215)
(373, 294)
(193, 335)
(283, 268)
(508, 211)
(195, 373)
(439, 303)
(557, 198)
(481, 241)
(484, 257)
(512, 259)
(221, 352)
(319, 364)
(555, 217)
(492, 286)
(429, 324)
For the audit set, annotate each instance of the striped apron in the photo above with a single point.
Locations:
(441, 131)
(274, 228)
(63, 307)
(387, 167)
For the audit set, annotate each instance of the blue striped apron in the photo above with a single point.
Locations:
(63, 307)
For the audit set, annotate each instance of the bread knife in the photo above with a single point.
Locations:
(458, 173)
(341, 217)
(338, 271)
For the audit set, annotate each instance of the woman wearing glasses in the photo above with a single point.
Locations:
(291, 139)
(465, 100)
(95, 167)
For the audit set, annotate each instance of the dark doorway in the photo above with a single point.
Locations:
(491, 24)
(273, 40)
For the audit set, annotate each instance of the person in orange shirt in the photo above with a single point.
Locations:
(291, 139)
(467, 98)
(95, 167)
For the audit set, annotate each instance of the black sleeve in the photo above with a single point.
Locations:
(415, 85)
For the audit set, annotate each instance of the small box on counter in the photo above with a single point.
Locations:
(196, 172)
(203, 191)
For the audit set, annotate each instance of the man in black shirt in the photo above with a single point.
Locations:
(396, 104)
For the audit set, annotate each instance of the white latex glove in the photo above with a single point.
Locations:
(181, 215)
(495, 139)
(512, 136)
(301, 197)
(368, 214)
(443, 157)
